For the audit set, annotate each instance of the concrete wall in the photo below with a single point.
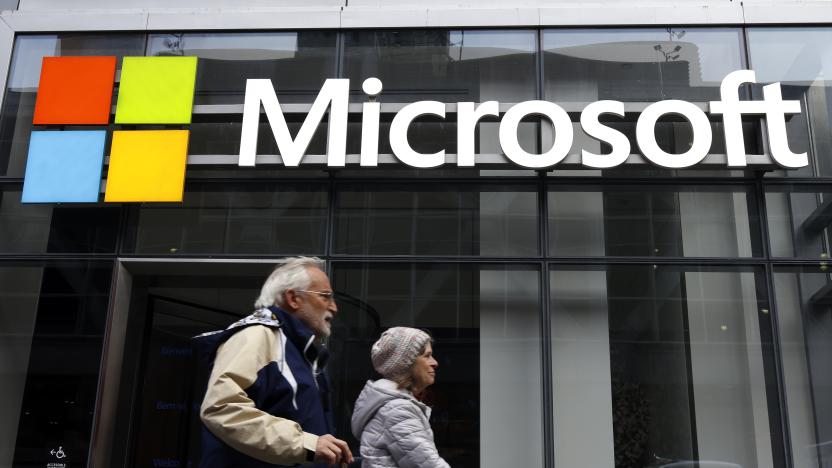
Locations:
(52, 5)
(58, 15)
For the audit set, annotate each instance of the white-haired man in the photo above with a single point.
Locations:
(267, 401)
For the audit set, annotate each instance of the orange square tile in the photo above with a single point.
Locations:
(75, 90)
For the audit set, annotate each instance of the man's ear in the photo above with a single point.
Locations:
(291, 299)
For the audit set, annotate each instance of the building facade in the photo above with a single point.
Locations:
(631, 316)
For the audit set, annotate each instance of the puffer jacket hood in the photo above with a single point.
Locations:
(374, 396)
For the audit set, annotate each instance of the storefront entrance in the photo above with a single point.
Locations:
(162, 378)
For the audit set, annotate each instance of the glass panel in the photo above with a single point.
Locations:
(586, 65)
(706, 221)
(431, 134)
(798, 221)
(420, 220)
(221, 135)
(58, 228)
(158, 424)
(250, 219)
(443, 65)
(22, 86)
(673, 135)
(296, 62)
(485, 322)
(803, 314)
(52, 320)
(19, 292)
(801, 60)
(660, 366)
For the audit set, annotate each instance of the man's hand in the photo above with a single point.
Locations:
(332, 451)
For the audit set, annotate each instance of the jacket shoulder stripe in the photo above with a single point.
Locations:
(285, 370)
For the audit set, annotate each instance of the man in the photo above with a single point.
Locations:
(267, 399)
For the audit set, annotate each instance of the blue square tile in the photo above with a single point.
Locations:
(64, 166)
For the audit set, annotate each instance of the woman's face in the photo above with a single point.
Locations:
(423, 371)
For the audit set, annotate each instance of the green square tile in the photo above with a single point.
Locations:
(156, 90)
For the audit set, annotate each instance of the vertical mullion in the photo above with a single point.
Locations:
(339, 54)
(331, 197)
(543, 251)
(774, 324)
(760, 191)
(329, 234)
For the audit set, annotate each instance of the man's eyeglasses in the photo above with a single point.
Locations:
(328, 296)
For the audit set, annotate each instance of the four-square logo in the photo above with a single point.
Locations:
(65, 163)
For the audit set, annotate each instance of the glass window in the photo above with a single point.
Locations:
(296, 62)
(641, 65)
(706, 221)
(229, 219)
(428, 134)
(663, 366)
(56, 228)
(803, 315)
(24, 76)
(427, 220)
(443, 65)
(52, 321)
(798, 220)
(221, 135)
(162, 379)
(446, 66)
(800, 59)
(485, 323)
(673, 135)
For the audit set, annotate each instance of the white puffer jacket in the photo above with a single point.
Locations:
(394, 428)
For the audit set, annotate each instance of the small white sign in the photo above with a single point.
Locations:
(58, 453)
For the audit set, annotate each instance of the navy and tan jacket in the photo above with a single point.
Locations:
(267, 399)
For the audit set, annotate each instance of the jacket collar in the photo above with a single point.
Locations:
(300, 335)
(392, 388)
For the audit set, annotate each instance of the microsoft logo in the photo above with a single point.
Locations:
(65, 164)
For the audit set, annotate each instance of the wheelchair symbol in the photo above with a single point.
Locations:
(58, 453)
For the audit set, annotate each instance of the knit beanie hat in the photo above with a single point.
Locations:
(397, 349)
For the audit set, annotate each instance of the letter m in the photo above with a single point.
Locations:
(334, 95)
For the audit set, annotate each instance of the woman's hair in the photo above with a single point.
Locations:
(292, 273)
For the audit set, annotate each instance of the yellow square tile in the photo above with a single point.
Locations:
(147, 166)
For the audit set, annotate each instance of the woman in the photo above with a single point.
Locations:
(392, 425)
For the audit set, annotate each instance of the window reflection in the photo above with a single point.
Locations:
(798, 221)
(798, 58)
(296, 62)
(804, 305)
(52, 321)
(24, 76)
(62, 228)
(443, 65)
(485, 322)
(441, 221)
(587, 65)
(656, 221)
(676, 366)
(250, 219)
